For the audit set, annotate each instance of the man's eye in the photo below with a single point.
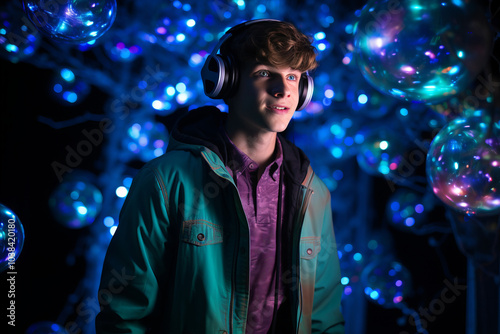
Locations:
(263, 73)
(292, 77)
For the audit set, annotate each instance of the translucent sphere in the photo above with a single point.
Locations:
(352, 263)
(176, 27)
(463, 165)
(340, 135)
(122, 46)
(75, 21)
(19, 39)
(68, 89)
(46, 327)
(11, 238)
(422, 51)
(386, 283)
(147, 140)
(75, 204)
(405, 209)
(381, 153)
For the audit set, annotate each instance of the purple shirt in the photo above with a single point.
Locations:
(260, 203)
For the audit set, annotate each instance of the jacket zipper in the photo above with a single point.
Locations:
(233, 279)
(302, 213)
(235, 260)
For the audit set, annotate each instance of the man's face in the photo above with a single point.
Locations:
(266, 99)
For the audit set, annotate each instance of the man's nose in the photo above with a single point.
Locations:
(279, 87)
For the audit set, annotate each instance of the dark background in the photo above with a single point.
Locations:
(54, 259)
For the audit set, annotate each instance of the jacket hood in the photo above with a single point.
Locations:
(204, 127)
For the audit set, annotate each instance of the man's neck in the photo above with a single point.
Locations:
(259, 147)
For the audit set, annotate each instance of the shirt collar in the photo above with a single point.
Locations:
(239, 162)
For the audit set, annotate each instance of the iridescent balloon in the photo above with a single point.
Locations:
(423, 50)
(46, 327)
(74, 21)
(19, 39)
(382, 153)
(123, 46)
(386, 282)
(176, 27)
(169, 95)
(340, 135)
(463, 165)
(11, 238)
(466, 103)
(68, 89)
(75, 204)
(352, 263)
(406, 210)
(147, 140)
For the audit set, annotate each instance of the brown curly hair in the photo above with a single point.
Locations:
(274, 43)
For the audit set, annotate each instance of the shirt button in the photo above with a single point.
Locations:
(201, 237)
(309, 251)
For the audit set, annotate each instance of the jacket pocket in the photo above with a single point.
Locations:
(309, 247)
(201, 232)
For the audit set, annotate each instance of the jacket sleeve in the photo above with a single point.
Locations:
(136, 260)
(326, 315)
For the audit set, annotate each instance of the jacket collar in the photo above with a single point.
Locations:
(201, 128)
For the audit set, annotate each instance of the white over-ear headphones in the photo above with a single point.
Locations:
(220, 73)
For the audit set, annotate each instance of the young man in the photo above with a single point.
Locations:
(230, 231)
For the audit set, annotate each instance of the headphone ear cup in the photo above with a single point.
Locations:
(213, 76)
(306, 89)
(232, 76)
(219, 76)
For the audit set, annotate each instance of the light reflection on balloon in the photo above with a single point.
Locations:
(386, 282)
(74, 21)
(426, 51)
(75, 204)
(463, 165)
(11, 237)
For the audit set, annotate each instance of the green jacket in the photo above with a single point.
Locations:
(179, 260)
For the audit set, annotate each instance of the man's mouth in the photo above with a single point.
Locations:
(278, 107)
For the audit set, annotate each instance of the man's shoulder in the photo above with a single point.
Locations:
(319, 187)
(174, 159)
